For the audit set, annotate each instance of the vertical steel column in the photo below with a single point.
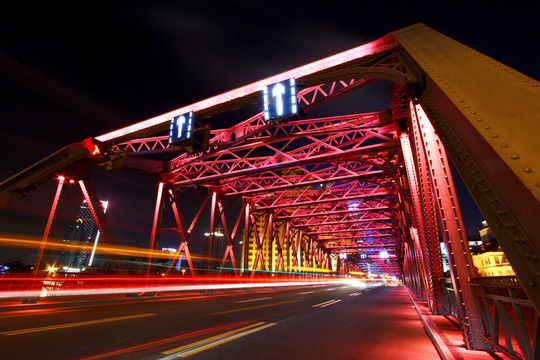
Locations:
(422, 290)
(417, 236)
(293, 239)
(299, 249)
(412, 268)
(430, 222)
(213, 206)
(155, 224)
(51, 223)
(287, 242)
(453, 229)
(245, 252)
(280, 240)
(270, 234)
(310, 253)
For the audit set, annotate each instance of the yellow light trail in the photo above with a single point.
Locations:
(311, 269)
(75, 324)
(214, 341)
(26, 241)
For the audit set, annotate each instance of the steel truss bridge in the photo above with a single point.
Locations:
(359, 184)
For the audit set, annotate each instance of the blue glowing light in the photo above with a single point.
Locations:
(181, 128)
(280, 100)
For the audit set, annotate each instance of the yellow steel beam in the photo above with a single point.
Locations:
(487, 116)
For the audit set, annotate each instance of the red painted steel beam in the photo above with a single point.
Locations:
(246, 94)
(362, 176)
(380, 209)
(321, 201)
(51, 224)
(155, 225)
(388, 221)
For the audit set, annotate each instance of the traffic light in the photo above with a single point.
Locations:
(94, 146)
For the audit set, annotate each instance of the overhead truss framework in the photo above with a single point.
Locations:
(376, 187)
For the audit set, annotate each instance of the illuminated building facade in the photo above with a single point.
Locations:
(270, 249)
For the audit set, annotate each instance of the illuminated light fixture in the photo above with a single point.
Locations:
(280, 100)
(71, 269)
(61, 177)
(181, 128)
(353, 205)
(383, 254)
(215, 234)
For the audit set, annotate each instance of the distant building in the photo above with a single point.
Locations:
(81, 236)
(486, 234)
(488, 258)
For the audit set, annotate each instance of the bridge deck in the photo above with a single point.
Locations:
(377, 323)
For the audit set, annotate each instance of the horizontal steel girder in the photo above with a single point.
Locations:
(381, 209)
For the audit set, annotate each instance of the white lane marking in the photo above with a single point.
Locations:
(251, 300)
(306, 292)
(324, 303)
(355, 294)
(332, 303)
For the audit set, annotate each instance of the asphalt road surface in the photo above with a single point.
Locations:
(328, 322)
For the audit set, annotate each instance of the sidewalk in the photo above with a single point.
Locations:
(447, 335)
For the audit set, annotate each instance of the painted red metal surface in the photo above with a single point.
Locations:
(50, 224)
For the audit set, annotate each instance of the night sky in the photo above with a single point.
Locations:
(132, 60)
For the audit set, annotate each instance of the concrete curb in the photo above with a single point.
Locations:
(434, 333)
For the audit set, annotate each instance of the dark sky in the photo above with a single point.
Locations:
(131, 60)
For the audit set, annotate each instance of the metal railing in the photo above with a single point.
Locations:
(449, 299)
(508, 317)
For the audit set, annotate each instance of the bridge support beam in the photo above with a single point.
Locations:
(487, 116)
(229, 236)
(156, 224)
(453, 229)
(51, 223)
(423, 235)
(184, 243)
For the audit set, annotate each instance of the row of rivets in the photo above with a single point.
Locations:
(488, 191)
